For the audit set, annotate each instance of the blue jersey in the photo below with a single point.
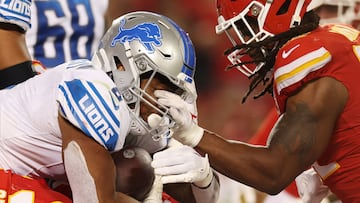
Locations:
(63, 30)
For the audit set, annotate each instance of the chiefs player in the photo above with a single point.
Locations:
(312, 72)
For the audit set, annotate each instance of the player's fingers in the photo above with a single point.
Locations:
(166, 162)
(171, 170)
(166, 94)
(183, 178)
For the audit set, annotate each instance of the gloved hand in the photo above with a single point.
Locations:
(155, 194)
(186, 131)
(191, 100)
(182, 164)
(310, 187)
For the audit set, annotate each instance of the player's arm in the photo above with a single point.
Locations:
(297, 139)
(15, 63)
(89, 167)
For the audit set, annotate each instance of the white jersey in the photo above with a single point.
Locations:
(30, 138)
(64, 30)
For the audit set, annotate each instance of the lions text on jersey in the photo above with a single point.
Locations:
(30, 138)
(16, 12)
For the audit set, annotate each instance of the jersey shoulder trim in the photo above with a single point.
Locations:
(298, 69)
(90, 107)
(16, 12)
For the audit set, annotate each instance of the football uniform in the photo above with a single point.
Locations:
(63, 30)
(20, 189)
(329, 51)
(30, 138)
(16, 12)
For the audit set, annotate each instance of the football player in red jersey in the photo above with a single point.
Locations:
(21, 189)
(311, 71)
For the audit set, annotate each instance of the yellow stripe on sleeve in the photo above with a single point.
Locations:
(295, 71)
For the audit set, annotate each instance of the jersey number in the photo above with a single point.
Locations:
(66, 40)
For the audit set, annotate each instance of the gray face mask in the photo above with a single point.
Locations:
(140, 136)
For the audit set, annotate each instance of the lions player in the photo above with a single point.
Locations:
(64, 30)
(148, 43)
(56, 32)
(64, 123)
(15, 63)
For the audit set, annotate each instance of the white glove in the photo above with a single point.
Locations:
(191, 100)
(310, 187)
(187, 131)
(155, 194)
(182, 164)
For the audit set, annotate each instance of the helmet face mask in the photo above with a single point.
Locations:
(140, 51)
(246, 22)
(244, 29)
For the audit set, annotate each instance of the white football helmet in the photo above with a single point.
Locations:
(344, 10)
(147, 45)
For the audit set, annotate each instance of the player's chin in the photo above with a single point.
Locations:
(135, 175)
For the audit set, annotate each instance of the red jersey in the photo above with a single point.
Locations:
(20, 189)
(329, 51)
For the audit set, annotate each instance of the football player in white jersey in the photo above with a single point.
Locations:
(64, 30)
(50, 122)
(15, 63)
(148, 42)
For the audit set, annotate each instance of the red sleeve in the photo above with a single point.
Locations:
(260, 138)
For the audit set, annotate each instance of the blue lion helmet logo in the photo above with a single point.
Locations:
(147, 34)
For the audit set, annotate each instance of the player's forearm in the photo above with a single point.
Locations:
(208, 194)
(237, 160)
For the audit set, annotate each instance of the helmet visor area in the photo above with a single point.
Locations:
(146, 103)
(242, 31)
(243, 55)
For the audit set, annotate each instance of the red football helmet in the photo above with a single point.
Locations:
(246, 21)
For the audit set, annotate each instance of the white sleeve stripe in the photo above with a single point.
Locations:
(297, 70)
(104, 108)
(23, 21)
